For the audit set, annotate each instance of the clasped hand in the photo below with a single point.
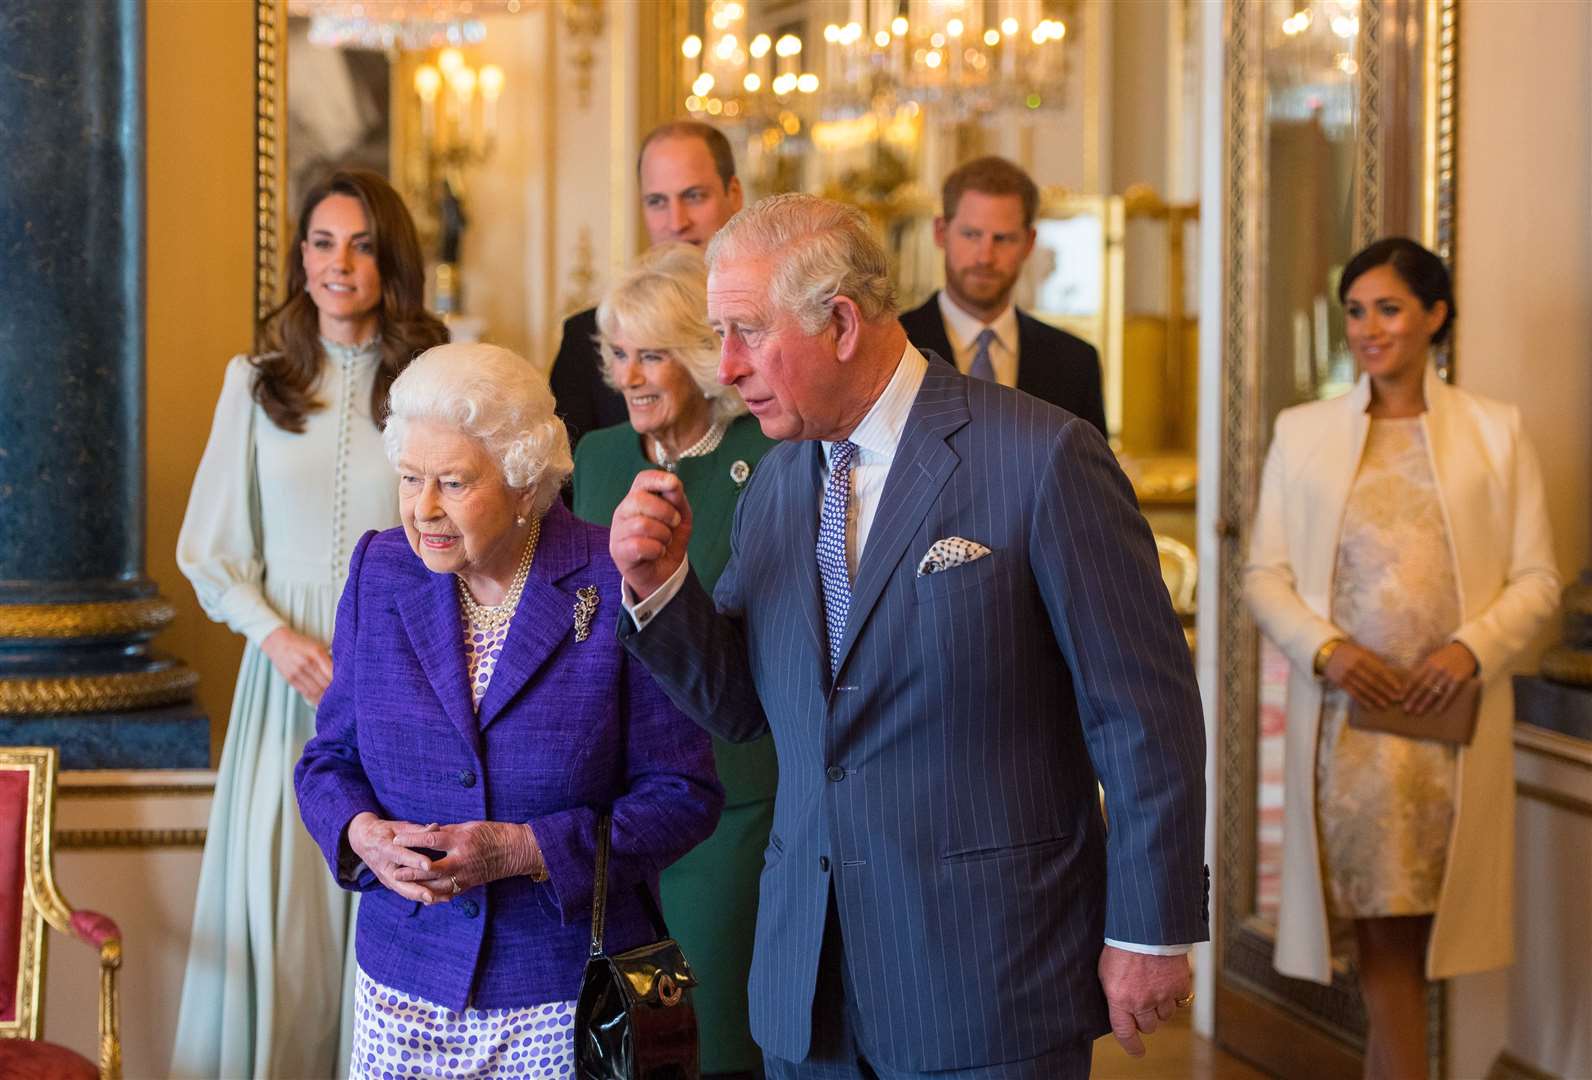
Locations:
(474, 853)
(1361, 674)
(650, 530)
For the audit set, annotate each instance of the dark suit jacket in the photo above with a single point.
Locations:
(1052, 364)
(584, 401)
(566, 729)
(943, 784)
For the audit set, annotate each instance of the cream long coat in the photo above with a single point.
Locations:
(1490, 489)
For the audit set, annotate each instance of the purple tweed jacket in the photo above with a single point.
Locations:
(566, 729)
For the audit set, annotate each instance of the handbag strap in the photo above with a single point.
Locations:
(599, 892)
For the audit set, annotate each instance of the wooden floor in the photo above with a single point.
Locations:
(1172, 1053)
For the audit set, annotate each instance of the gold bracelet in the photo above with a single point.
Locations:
(1324, 655)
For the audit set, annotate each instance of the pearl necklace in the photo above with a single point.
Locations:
(487, 617)
(705, 445)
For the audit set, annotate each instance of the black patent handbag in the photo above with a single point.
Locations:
(634, 1019)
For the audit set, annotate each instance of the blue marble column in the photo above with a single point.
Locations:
(76, 609)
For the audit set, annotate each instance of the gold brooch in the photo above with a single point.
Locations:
(585, 608)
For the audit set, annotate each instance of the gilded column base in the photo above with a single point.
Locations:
(117, 618)
(57, 695)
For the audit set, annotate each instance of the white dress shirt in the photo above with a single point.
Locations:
(877, 437)
(962, 330)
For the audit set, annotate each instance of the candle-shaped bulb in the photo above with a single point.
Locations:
(428, 80)
(450, 61)
(691, 47)
(760, 46)
(491, 82)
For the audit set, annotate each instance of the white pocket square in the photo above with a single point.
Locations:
(950, 552)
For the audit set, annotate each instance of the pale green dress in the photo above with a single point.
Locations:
(1385, 803)
(271, 524)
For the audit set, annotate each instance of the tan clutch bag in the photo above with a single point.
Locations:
(1454, 723)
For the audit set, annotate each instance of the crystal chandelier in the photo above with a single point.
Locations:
(392, 25)
(962, 58)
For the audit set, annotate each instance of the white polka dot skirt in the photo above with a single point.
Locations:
(398, 1036)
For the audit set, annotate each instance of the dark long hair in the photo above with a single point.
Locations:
(1422, 272)
(286, 374)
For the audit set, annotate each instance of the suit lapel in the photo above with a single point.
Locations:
(923, 463)
(1031, 370)
(546, 613)
(936, 337)
(431, 618)
(805, 495)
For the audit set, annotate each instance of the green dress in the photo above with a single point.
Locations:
(710, 896)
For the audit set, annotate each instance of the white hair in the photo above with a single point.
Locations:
(661, 303)
(821, 249)
(496, 398)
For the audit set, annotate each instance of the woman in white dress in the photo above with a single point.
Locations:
(293, 474)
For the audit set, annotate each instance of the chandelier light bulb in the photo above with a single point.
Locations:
(463, 82)
(491, 82)
(992, 37)
(882, 39)
(752, 82)
(733, 11)
(1009, 26)
(932, 59)
(428, 80)
(831, 34)
(760, 46)
(788, 45)
(450, 61)
(726, 46)
(692, 47)
(898, 26)
(703, 85)
(807, 82)
(954, 28)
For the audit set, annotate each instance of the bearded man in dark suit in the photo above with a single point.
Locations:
(987, 232)
(943, 602)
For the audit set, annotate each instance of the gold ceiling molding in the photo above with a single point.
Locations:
(66, 694)
(84, 620)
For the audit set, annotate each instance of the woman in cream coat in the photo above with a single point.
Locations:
(1491, 559)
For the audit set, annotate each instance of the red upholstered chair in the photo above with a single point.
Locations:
(29, 901)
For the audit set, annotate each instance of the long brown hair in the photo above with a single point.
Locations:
(287, 372)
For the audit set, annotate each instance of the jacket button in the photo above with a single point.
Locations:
(823, 864)
(466, 778)
(470, 908)
(836, 773)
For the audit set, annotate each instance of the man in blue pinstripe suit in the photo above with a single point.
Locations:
(944, 603)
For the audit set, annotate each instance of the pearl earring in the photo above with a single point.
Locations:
(519, 521)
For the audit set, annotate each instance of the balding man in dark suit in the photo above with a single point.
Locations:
(943, 602)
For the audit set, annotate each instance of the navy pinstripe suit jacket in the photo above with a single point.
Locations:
(944, 782)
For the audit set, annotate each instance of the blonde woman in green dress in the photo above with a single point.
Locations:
(293, 474)
(659, 352)
(1401, 546)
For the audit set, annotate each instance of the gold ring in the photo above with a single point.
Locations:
(456, 889)
(1185, 1001)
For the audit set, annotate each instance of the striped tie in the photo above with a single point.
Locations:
(982, 367)
(832, 572)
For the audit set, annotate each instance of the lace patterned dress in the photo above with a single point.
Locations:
(397, 1034)
(1384, 803)
(270, 527)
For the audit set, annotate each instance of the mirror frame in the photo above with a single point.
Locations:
(1328, 1019)
(270, 218)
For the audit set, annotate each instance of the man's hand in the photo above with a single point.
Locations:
(1141, 992)
(650, 531)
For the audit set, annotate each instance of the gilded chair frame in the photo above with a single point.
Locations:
(43, 909)
(1288, 1025)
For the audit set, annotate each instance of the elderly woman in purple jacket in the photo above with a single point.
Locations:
(481, 716)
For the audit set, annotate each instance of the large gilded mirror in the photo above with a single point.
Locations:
(1340, 128)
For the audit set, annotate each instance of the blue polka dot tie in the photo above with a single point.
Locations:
(983, 367)
(832, 572)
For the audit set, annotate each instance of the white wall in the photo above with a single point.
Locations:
(1524, 293)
